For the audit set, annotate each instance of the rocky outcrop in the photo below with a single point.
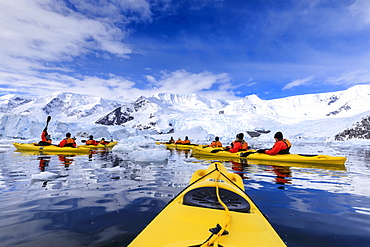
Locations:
(361, 130)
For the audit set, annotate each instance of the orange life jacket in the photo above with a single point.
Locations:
(287, 142)
(70, 140)
(285, 151)
(216, 144)
(90, 142)
(186, 142)
(244, 144)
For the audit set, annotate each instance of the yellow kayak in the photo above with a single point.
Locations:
(251, 155)
(180, 146)
(109, 145)
(213, 210)
(243, 161)
(51, 148)
(299, 158)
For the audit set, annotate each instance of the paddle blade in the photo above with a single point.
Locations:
(47, 121)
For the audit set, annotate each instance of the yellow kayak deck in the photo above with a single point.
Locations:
(190, 217)
(51, 148)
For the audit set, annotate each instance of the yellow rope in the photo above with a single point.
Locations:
(213, 239)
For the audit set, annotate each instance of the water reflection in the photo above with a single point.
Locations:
(66, 159)
(105, 198)
(44, 161)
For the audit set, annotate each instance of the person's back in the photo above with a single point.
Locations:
(45, 138)
(178, 141)
(239, 144)
(281, 146)
(186, 141)
(91, 141)
(103, 141)
(68, 141)
(216, 143)
(171, 141)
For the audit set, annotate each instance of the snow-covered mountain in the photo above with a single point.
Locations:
(306, 117)
(312, 116)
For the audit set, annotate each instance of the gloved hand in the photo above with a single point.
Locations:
(261, 151)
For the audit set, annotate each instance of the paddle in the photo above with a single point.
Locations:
(47, 121)
(246, 154)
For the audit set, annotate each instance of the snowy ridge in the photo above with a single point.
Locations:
(306, 117)
(347, 103)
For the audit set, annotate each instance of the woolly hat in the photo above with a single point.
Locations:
(278, 135)
(240, 136)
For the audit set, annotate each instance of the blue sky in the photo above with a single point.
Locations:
(225, 49)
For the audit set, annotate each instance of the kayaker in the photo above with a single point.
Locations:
(171, 141)
(281, 146)
(216, 143)
(186, 141)
(178, 141)
(45, 138)
(91, 141)
(103, 141)
(238, 145)
(68, 141)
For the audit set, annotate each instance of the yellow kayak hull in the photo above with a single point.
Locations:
(187, 222)
(51, 148)
(252, 156)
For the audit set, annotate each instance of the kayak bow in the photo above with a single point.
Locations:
(213, 210)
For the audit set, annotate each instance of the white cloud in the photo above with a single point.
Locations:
(35, 31)
(298, 82)
(360, 9)
(350, 78)
(182, 81)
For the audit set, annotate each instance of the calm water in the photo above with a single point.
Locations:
(106, 199)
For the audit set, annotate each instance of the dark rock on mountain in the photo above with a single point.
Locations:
(361, 130)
